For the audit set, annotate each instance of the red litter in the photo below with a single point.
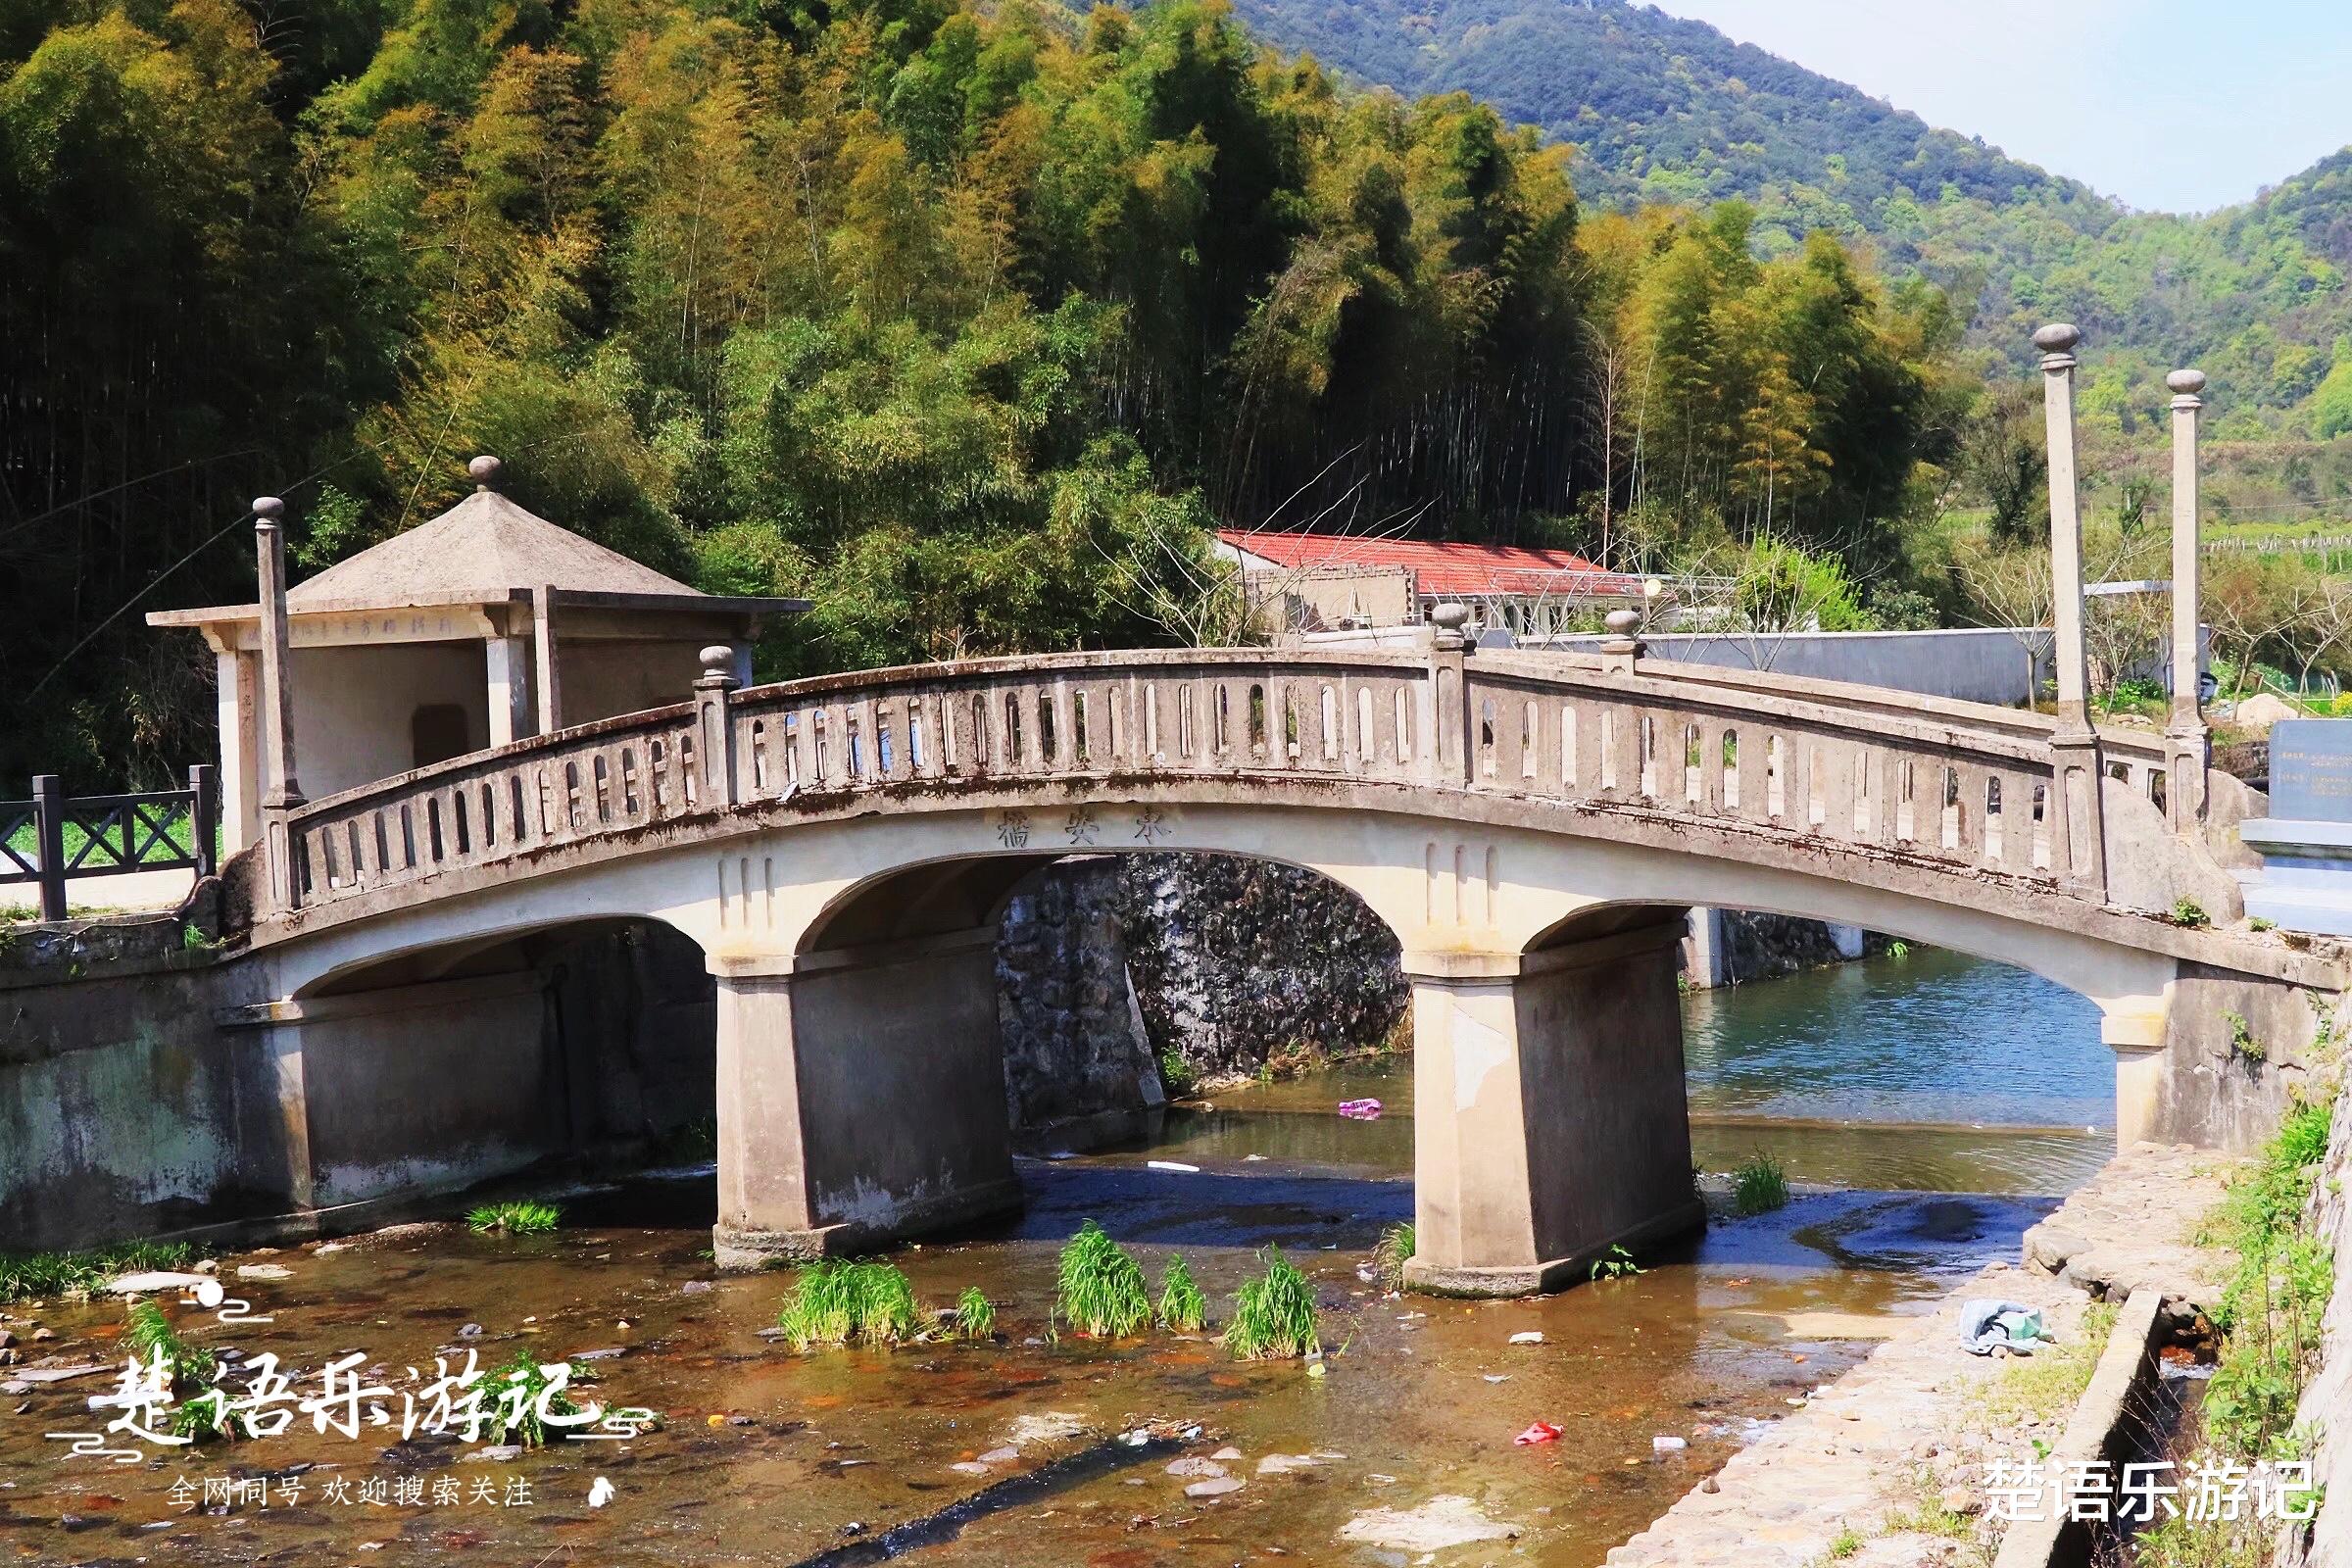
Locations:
(1360, 1109)
(1541, 1432)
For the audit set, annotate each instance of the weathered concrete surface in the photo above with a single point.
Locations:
(1853, 1457)
(148, 1086)
(122, 1111)
(2236, 1050)
(1550, 1118)
(2132, 1226)
(860, 1098)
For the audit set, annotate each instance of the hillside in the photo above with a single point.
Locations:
(1665, 109)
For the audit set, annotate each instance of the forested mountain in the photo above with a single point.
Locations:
(964, 319)
(1664, 109)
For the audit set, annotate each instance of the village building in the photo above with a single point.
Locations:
(1329, 582)
(486, 626)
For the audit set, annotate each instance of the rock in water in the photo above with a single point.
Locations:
(1439, 1523)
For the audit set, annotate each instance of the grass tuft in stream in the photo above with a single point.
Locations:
(836, 1301)
(519, 1416)
(1102, 1289)
(1396, 1248)
(514, 1218)
(975, 1315)
(1183, 1309)
(200, 1410)
(25, 1276)
(1759, 1185)
(1274, 1315)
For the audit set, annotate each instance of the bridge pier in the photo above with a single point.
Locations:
(1550, 1117)
(861, 1097)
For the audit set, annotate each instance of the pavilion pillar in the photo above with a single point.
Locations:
(1550, 1121)
(543, 645)
(2184, 733)
(282, 791)
(2079, 843)
(237, 676)
(508, 664)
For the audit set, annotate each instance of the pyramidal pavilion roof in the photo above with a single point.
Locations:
(484, 550)
(484, 547)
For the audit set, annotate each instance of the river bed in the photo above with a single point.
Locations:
(767, 1457)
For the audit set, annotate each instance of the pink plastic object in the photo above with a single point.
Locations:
(1360, 1109)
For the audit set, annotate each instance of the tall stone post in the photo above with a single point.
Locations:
(2185, 733)
(1449, 748)
(714, 726)
(282, 791)
(2079, 852)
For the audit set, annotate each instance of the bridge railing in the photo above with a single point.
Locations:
(1975, 786)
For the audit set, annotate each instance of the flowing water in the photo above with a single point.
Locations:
(767, 1457)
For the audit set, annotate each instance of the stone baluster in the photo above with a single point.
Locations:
(2185, 733)
(715, 731)
(2075, 743)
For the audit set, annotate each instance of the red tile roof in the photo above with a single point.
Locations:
(1437, 568)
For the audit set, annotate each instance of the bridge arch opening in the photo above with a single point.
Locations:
(587, 1044)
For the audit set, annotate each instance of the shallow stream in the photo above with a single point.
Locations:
(767, 1457)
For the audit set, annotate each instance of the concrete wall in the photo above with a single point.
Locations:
(122, 1111)
(353, 708)
(1977, 665)
(2205, 1086)
(874, 1042)
(147, 1086)
(602, 678)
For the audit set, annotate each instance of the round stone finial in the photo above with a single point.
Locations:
(485, 470)
(2059, 337)
(1622, 622)
(2187, 383)
(719, 659)
(269, 509)
(1449, 616)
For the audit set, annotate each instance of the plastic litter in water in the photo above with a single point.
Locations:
(1528, 1337)
(1172, 1165)
(1667, 1445)
(1360, 1109)
(1540, 1432)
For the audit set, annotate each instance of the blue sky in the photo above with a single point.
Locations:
(2167, 104)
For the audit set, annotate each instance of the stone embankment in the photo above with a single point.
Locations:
(1885, 1467)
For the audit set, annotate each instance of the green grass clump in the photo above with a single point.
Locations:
(201, 1409)
(1183, 1309)
(2270, 1310)
(1100, 1288)
(25, 1276)
(975, 1316)
(2190, 913)
(1176, 1076)
(1759, 1185)
(520, 1420)
(1395, 1247)
(1274, 1315)
(836, 1301)
(513, 1219)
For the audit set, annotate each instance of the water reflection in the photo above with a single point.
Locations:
(1932, 1072)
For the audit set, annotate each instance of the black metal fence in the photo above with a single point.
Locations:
(50, 838)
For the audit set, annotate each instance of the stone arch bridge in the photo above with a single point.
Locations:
(1533, 828)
